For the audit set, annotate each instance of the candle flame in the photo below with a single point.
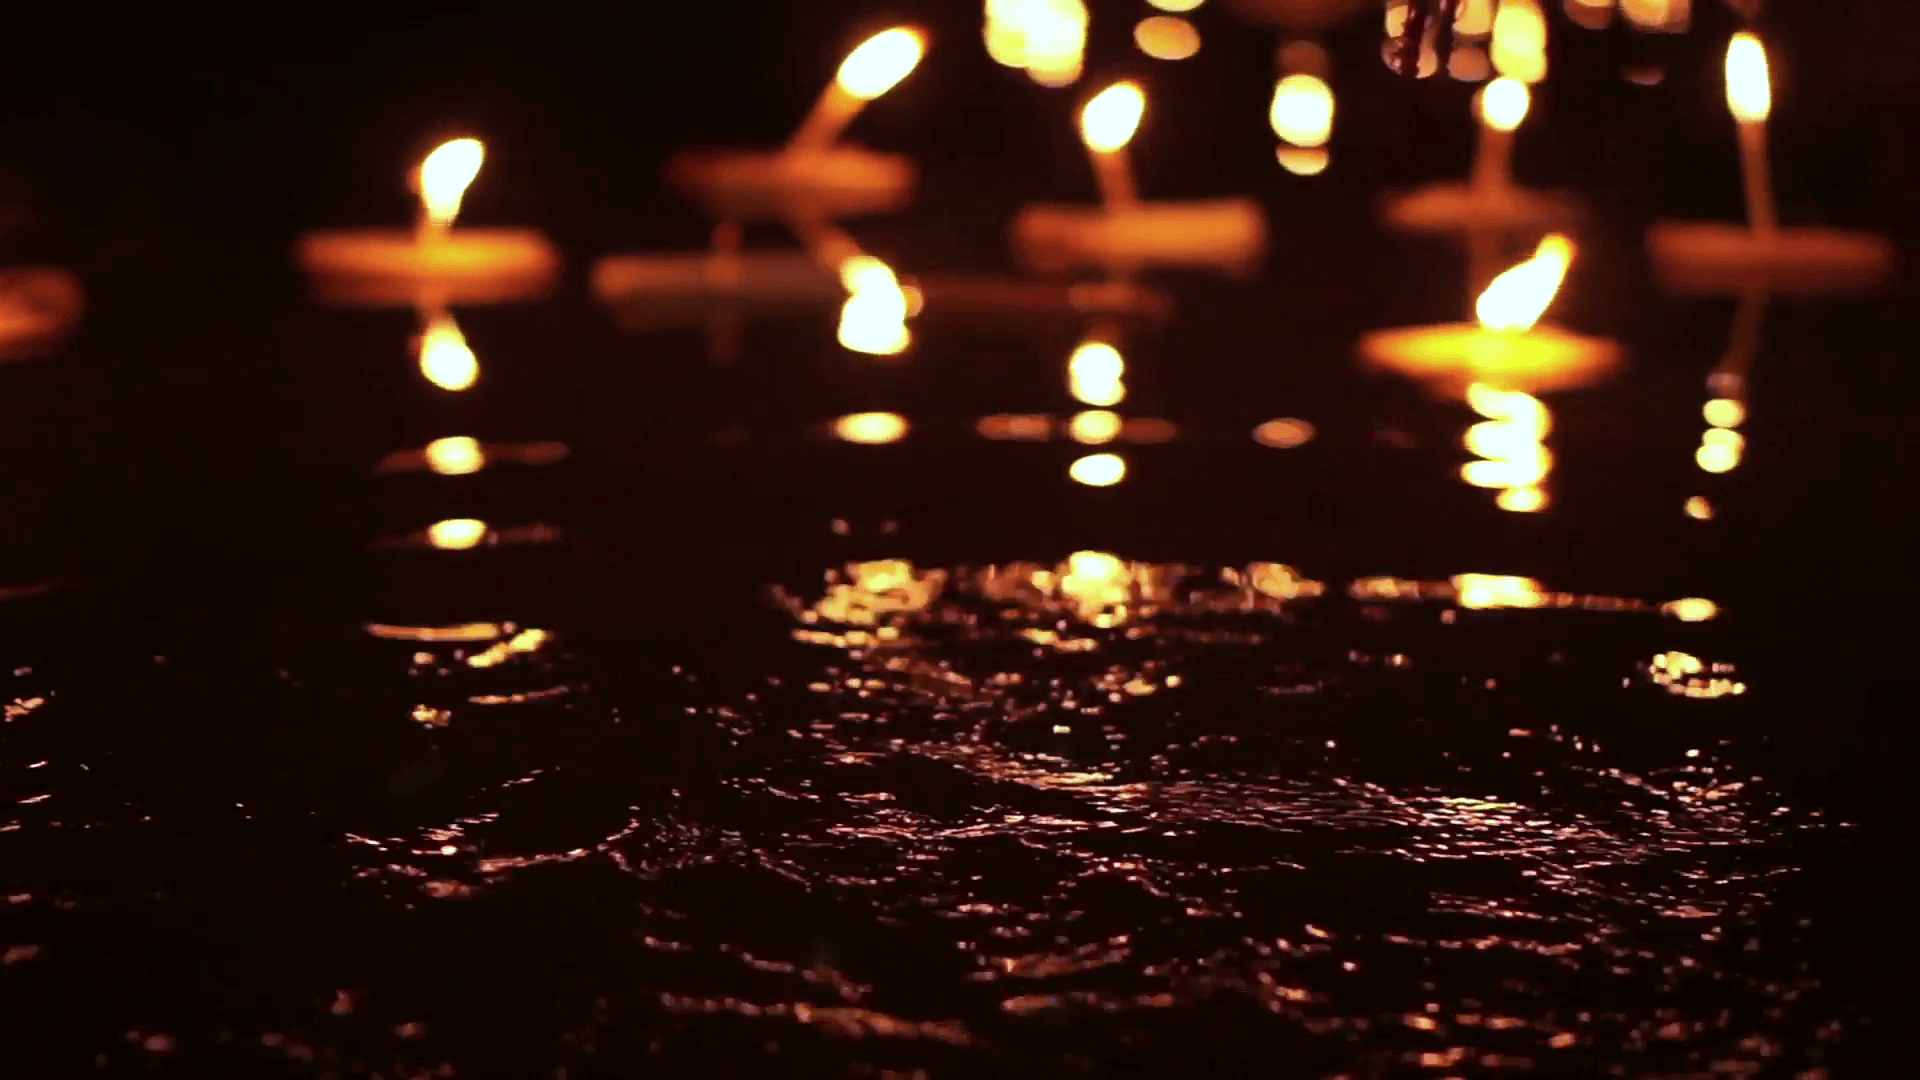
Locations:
(445, 359)
(456, 455)
(445, 176)
(1099, 470)
(1503, 104)
(1749, 94)
(1094, 374)
(871, 428)
(874, 318)
(1110, 119)
(456, 534)
(1520, 295)
(1302, 111)
(880, 62)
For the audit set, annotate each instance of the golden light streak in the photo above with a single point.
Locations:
(1691, 609)
(445, 176)
(1016, 427)
(871, 428)
(1099, 470)
(1481, 591)
(1302, 110)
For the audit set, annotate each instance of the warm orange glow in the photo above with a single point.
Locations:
(1718, 457)
(1176, 6)
(1475, 18)
(445, 176)
(1497, 591)
(445, 359)
(1469, 64)
(1048, 38)
(1723, 437)
(874, 318)
(1503, 104)
(1502, 439)
(1662, 15)
(1100, 583)
(1016, 427)
(1519, 296)
(1520, 40)
(1149, 429)
(1724, 412)
(1521, 500)
(1303, 160)
(1302, 110)
(871, 428)
(1094, 426)
(1699, 509)
(1094, 375)
(1099, 470)
(860, 272)
(1110, 119)
(1166, 37)
(880, 62)
(1749, 93)
(456, 534)
(456, 455)
(1692, 609)
(1284, 433)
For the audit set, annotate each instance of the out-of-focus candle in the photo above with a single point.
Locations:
(435, 264)
(1125, 233)
(1505, 349)
(813, 173)
(38, 305)
(1490, 200)
(1166, 37)
(874, 318)
(1503, 104)
(1710, 257)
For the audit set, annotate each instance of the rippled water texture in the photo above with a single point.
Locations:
(1010, 818)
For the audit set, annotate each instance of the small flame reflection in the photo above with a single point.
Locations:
(445, 359)
(457, 534)
(871, 428)
(456, 455)
(1095, 374)
(1099, 470)
(1284, 433)
(1166, 37)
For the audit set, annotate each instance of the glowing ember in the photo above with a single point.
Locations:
(1480, 591)
(1099, 470)
(1692, 609)
(445, 176)
(871, 428)
(1110, 119)
(1699, 509)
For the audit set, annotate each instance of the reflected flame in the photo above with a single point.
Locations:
(1094, 427)
(860, 272)
(456, 534)
(1284, 433)
(1099, 470)
(1659, 15)
(445, 359)
(874, 318)
(1302, 111)
(1521, 500)
(445, 176)
(1749, 94)
(871, 428)
(1110, 119)
(1503, 104)
(1520, 40)
(1509, 443)
(1699, 509)
(1724, 412)
(1094, 374)
(879, 63)
(1516, 299)
(1303, 161)
(1166, 37)
(1692, 609)
(1176, 6)
(1481, 591)
(456, 455)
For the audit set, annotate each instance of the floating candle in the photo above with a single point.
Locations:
(435, 264)
(1489, 201)
(1717, 258)
(38, 305)
(1505, 350)
(1124, 233)
(813, 173)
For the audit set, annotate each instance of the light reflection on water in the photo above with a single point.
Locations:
(970, 815)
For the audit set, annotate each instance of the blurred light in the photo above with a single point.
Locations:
(1110, 119)
(874, 318)
(1469, 63)
(1669, 16)
(1503, 104)
(1644, 74)
(1016, 427)
(1692, 609)
(1047, 38)
(1717, 457)
(1521, 470)
(1520, 40)
(1724, 412)
(1098, 567)
(1481, 591)
(880, 62)
(1176, 6)
(1094, 374)
(1303, 160)
(859, 272)
(1513, 406)
(1284, 433)
(871, 428)
(1166, 37)
(1516, 299)
(445, 176)
(444, 357)
(1590, 14)
(456, 534)
(1302, 111)
(1099, 470)
(1521, 500)
(1475, 18)
(1749, 94)
(1723, 437)
(456, 455)
(1699, 509)
(1304, 57)
(1149, 429)
(1095, 426)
